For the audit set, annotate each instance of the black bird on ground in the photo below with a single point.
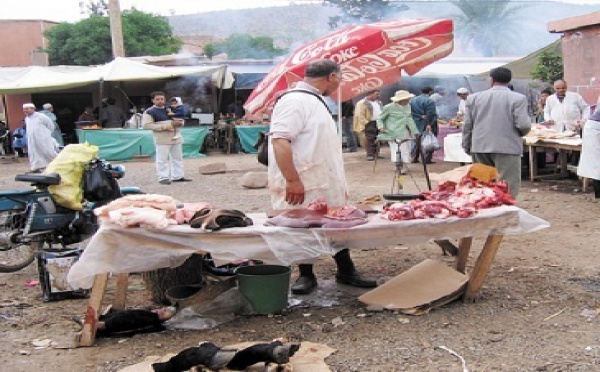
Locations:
(274, 352)
(206, 355)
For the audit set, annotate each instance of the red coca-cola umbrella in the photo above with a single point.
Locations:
(371, 55)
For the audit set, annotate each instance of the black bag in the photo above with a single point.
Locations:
(262, 145)
(98, 184)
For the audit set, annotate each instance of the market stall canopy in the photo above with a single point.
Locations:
(35, 79)
(522, 68)
(371, 56)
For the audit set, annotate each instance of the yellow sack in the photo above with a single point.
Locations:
(70, 164)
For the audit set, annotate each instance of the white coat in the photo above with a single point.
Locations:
(567, 113)
(589, 167)
(42, 148)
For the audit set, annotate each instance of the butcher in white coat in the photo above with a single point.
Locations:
(565, 110)
(42, 148)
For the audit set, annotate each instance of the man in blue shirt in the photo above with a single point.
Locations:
(425, 117)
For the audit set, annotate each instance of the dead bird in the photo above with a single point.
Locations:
(206, 355)
(275, 352)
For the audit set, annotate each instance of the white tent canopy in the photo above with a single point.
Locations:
(36, 79)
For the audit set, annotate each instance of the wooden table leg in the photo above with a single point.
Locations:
(92, 313)
(482, 267)
(121, 293)
(533, 166)
(464, 248)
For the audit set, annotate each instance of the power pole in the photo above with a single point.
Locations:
(116, 29)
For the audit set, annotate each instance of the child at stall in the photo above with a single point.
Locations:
(176, 111)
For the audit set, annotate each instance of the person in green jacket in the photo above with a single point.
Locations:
(396, 124)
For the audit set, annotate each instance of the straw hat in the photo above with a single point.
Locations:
(401, 95)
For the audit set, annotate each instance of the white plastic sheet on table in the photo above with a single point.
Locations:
(453, 150)
(124, 250)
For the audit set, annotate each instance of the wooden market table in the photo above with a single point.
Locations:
(564, 147)
(118, 250)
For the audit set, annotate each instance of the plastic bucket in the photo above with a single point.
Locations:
(266, 287)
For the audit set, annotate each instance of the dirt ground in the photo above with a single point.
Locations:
(536, 311)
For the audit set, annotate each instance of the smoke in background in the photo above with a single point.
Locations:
(300, 23)
(196, 92)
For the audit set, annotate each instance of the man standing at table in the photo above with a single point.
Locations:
(495, 121)
(305, 161)
(169, 149)
(366, 113)
(565, 110)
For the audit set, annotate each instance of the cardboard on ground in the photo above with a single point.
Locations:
(416, 291)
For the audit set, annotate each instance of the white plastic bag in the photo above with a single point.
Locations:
(429, 142)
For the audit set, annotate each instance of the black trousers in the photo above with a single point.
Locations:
(371, 133)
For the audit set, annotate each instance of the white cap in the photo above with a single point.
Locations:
(28, 105)
(47, 106)
(462, 91)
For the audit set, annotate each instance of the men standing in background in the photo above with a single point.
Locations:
(48, 110)
(462, 93)
(366, 113)
(441, 102)
(112, 116)
(565, 110)
(41, 146)
(495, 121)
(347, 125)
(425, 117)
(169, 150)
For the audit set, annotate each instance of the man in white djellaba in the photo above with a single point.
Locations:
(41, 146)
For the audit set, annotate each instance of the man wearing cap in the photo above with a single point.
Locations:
(366, 113)
(462, 93)
(41, 146)
(305, 161)
(56, 133)
(396, 124)
(495, 121)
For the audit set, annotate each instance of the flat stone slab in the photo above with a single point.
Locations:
(213, 168)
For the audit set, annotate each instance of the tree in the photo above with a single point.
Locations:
(244, 46)
(549, 67)
(361, 11)
(88, 42)
(99, 7)
(488, 26)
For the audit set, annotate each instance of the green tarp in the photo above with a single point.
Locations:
(123, 144)
(248, 136)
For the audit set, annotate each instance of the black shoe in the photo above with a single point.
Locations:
(164, 182)
(304, 285)
(355, 280)
(182, 179)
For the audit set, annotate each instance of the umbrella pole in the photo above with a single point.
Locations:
(339, 112)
